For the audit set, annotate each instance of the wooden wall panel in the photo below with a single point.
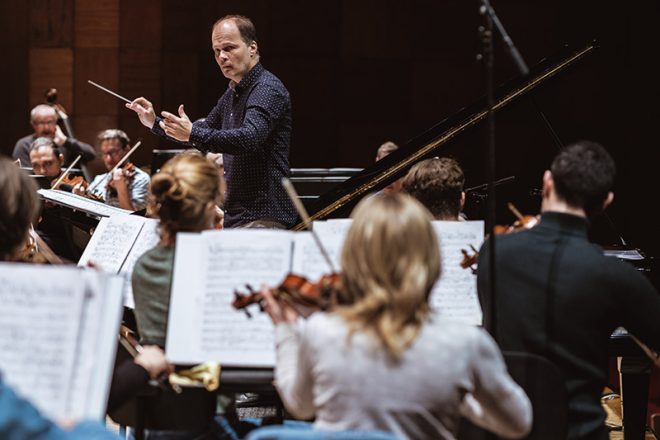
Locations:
(140, 24)
(14, 112)
(139, 74)
(102, 67)
(96, 23)
(51, 23)
(51, 68)
(180, 85)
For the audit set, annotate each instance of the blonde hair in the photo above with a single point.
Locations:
(19, 206)
(390, 261)
(180, 194)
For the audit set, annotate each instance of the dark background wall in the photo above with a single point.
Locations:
(360, 72)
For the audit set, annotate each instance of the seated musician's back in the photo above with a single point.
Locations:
(183, 195)
(381, 359)
(557, 295)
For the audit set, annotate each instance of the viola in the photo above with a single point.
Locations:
(522, 222)
(67, 182)
(297, 291)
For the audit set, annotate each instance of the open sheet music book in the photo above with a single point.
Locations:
(210, 266)
(117, 243)
(79, 203)
(58, 337)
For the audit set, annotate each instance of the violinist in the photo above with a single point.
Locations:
(43, 119)
(127, 186)
(46, 160)
(382, 359)
(558, 296)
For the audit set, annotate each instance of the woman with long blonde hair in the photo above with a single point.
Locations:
(382, 360)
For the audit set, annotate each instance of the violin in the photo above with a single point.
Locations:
(522, 222)
(296, 290)
(68, 181)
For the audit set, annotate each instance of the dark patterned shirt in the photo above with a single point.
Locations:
(251, 126)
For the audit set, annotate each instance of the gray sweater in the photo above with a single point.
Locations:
(451, 370)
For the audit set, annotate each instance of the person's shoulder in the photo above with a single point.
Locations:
(322, 325)
(157, 258)
(142, 175)
(270, 80)
(29, 138)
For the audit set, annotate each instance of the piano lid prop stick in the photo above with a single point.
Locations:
(293, 195)
(116, 95)
(56, 184)
(123, 159)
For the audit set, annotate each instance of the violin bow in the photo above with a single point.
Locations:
(123, 159)
(63, 175)
(302, 212)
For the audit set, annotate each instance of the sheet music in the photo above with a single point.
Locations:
(97, 343)
(332, 226)
(58, 337)
(147, 239)
(308, 260)
(99, 209)
(455, 294)
(112, 240)
(203, 326)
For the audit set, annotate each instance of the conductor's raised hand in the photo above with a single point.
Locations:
(177, 127)
(144, 110)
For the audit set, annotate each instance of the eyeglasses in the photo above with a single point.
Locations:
(113, 152)
(49, 122)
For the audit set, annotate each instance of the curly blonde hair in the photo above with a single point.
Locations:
(181, 193)
(390, 261)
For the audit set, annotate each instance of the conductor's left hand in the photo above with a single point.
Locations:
(177, 127)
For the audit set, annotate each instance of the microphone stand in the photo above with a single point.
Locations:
(486, 33)
(487, 10)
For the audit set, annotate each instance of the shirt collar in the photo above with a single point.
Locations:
(248, 79)
(560, 221)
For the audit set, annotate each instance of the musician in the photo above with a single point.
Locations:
(558, 295)
(385, 149)
(438, 184)
(250, 125)
(382, 359)
(45, 158)
(43, 119)
(19, 207)
(184, 196)
(127, 186)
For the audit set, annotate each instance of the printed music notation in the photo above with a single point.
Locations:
(203, 326)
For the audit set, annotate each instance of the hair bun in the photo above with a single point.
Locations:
(164, 186)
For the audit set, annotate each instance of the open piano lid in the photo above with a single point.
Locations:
(396, 164)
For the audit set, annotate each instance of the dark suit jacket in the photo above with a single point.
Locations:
(557, 295)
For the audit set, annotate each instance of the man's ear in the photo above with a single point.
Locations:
(548, 183)
(462, 200)
(60, 157)
(608, 200)
(253, 49)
